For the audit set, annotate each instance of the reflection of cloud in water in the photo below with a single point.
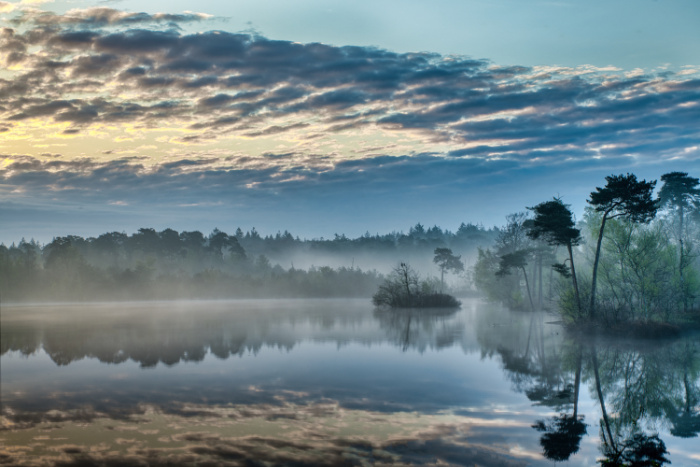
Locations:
(289, 433)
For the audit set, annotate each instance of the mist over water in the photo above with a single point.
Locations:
(171, 265)
(326, 380)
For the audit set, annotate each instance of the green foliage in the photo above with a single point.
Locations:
(680, 192)
(680, 196)
(622, 196)
(484, 273)
(515, 260)
(639, 451)
(502, 274)
(566, 304)
(562, 269)
(639, 275)
(447, 262)
(171, 264)
(625, 196)
(633, 266)
(554, 223)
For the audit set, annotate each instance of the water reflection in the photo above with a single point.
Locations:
(169, 336)
(168, 333)
(420, 328)
(480, 384)
(642, 388)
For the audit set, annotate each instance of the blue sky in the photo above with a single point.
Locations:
(325, 117)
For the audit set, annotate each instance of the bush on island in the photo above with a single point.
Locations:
(403, 289)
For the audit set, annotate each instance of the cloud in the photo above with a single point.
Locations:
(314, 438)
(229, 85)
(7, 7)
(102, 16)
(354, 116)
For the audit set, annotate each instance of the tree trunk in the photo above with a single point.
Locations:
(602, 401)
(573, 278)
(407, 335)
(686, 385)
(540, 260)
(529, 335)
(551, 281)
(527, 286)
(591, 312)
(408, 284)
(577, 383)
(534, 276)
(681, 261)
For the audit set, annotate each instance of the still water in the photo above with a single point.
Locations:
(334, 382)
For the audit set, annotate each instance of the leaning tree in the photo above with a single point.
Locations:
(554, 223)
(626, 197)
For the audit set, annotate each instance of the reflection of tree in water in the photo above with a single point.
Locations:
(546, 369)
(155, 335)
(531, 354)
(419, 327)
(561, 436)
(641, 387)
(647, 386)
(635, 450)
(682, 409)
(23, 339)
(149, 345)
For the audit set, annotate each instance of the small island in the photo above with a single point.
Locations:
(404, 289)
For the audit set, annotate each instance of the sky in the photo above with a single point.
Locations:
(323, 117)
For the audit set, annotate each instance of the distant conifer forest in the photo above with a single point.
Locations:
(168, 264)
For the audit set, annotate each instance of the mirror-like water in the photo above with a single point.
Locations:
(334, 382)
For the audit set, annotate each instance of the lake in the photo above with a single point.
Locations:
(334, 382)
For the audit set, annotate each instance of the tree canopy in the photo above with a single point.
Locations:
(624, 195)
(680, 191)
(554, 223)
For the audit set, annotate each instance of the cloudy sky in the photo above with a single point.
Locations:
(326, 117)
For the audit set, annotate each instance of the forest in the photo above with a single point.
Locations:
(180, 265)
(633, 258)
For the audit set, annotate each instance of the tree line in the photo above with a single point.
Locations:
(150, 264)
(632, 258)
